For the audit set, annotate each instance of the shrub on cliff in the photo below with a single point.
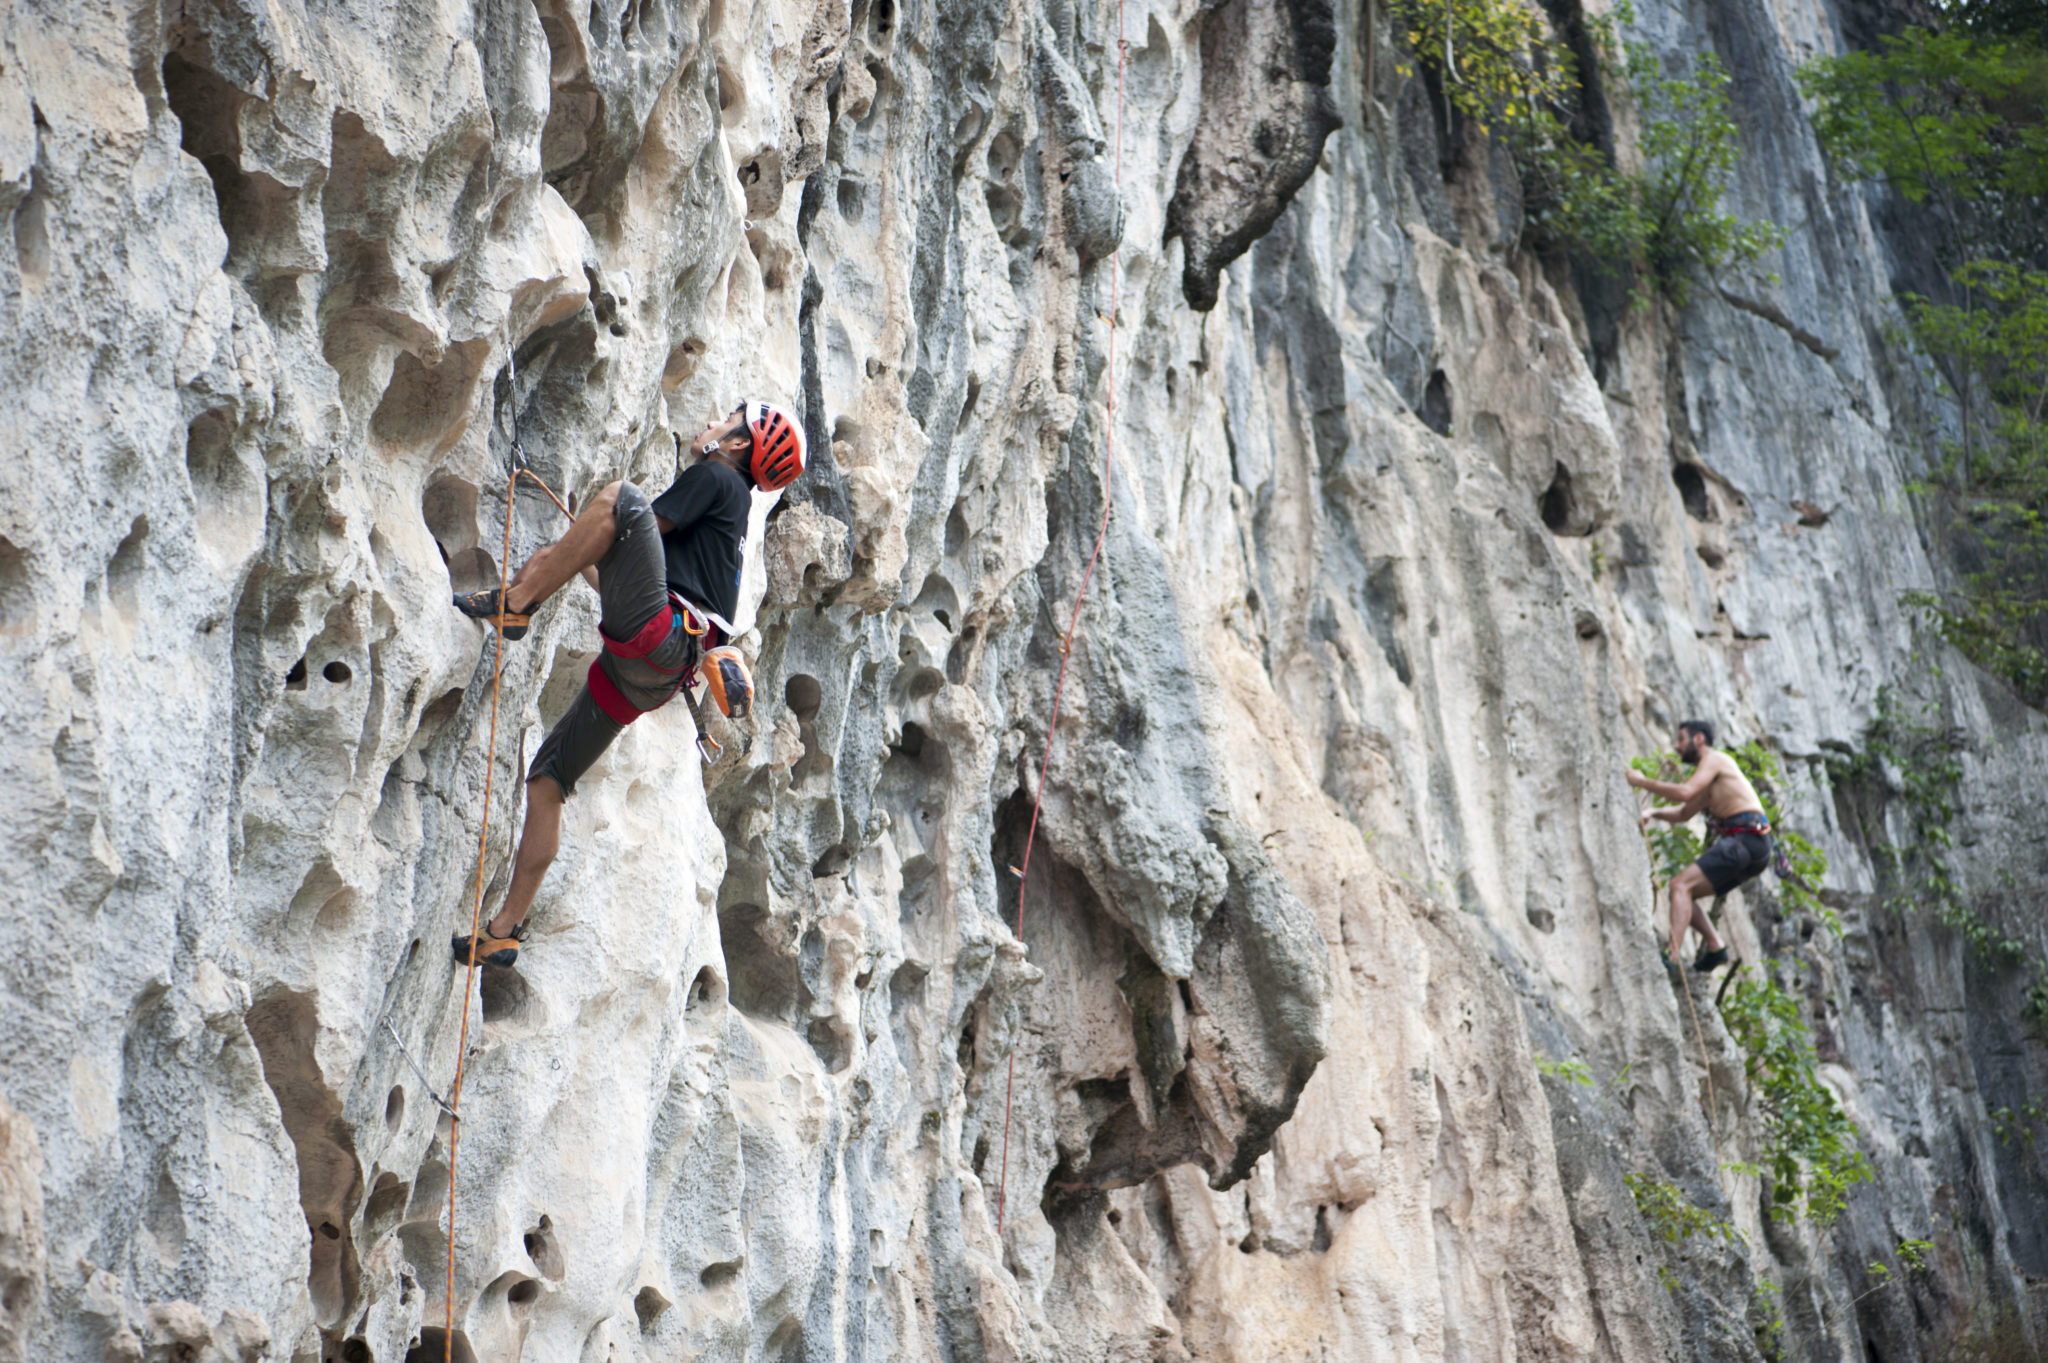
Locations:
(1501, 66)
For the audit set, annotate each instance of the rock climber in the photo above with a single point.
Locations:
(668, 573)
(1739, 846)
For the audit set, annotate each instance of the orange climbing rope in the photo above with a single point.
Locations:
(534, 478)
(476, 913)
(483, 839)
(1123, 50)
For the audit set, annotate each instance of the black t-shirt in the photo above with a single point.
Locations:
(708, 503)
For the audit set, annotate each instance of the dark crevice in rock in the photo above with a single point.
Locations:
(648, 1304)
(434, 1346)
(1692, 491)
(253, 206)
(283, 1028)
(1435, 410)
(17, 591)
(766, 980)
(1559, 505)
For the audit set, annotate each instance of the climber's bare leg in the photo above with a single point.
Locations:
(549, 570)
(539, 840)
(1687, 889)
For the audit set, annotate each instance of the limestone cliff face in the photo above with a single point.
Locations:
(1413, 540)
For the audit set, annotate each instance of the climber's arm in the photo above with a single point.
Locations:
(1690, 792)
(1675, 814)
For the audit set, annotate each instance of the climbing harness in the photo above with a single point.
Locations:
(1749, 821)
(1123, 52)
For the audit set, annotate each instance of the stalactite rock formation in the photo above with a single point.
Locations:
(1414, 539)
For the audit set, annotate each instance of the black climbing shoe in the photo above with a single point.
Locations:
(487, 607)
(489, 950)
(1709, 961)
(1670, 966)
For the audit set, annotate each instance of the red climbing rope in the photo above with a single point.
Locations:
(1123, 49)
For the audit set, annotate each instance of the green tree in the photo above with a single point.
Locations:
(1957, 119)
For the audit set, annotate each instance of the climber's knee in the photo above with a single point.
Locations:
(1689, 885)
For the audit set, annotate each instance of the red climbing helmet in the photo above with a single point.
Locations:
(778, 445)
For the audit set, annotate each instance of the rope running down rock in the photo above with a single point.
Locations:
(1123, 51)
(483, 840)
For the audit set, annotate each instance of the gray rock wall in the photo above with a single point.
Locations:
(1413, 538)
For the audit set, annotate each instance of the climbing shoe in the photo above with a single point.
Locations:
(487, 606)
(1670, 966)
(1709, 961)
(489, 950)
(732, 686)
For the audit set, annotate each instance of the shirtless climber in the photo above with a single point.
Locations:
(668, 574)
(1740, 837)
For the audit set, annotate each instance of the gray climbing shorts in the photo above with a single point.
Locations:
(632, 582)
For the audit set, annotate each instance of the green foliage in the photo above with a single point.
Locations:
(1666, 218)
(1811, 1155)
(1495, 59)
(1958, 120)
(1998, 1335)
(1923, 760)
(1991, 629)
(1574, 1070)
(1501, 65)
(1912, 1255)
(1928, 112)
(2017, 1124)
(1999, 18)
(1801, 893)
(1767, 1320)
(1992, 490)
(1673, 847)
(1670, 1217)
(1920, 759)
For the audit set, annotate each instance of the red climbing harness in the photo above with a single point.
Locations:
(679, 615)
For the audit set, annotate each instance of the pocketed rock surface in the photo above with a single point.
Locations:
(1413, 538)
